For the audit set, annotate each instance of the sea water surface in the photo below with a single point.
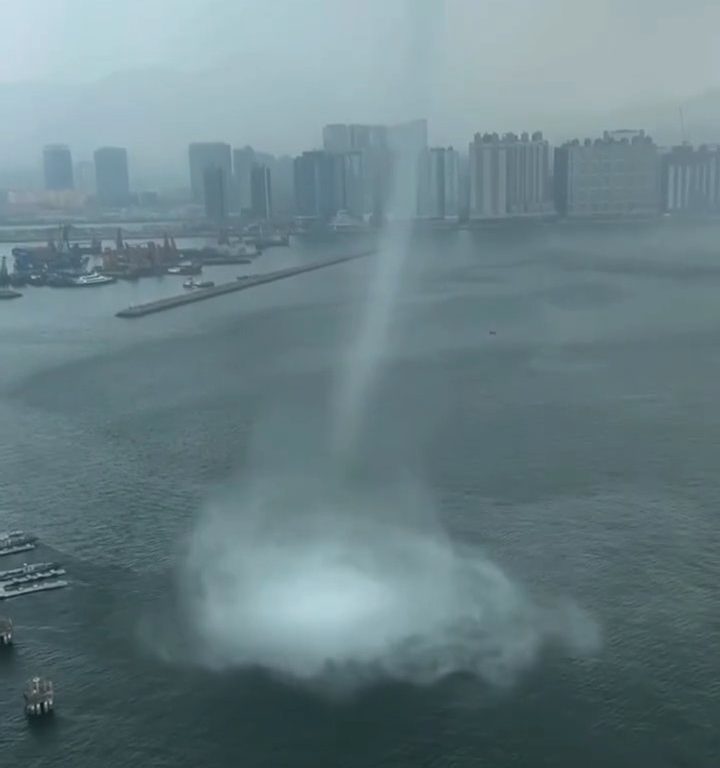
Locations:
(555, 389)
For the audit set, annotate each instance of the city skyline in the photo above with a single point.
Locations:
(371, 172)
(271, 71)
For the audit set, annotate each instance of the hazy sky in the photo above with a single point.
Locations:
(294, 64)
(628, 47)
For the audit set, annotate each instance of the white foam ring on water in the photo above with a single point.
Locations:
(336, 593)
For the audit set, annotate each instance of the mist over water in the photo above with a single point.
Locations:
(302, 569)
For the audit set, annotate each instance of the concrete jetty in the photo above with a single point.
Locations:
(39, 697)
(6, 631)
(201, 294)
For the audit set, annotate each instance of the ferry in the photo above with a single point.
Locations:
(8, 591)
(16, 541)
(32, 572)
(92, 279)
(185, 268)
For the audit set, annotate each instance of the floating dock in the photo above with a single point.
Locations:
(18, 590)
(15, 542)
(201, 294)
(39, 697)
(31, 573)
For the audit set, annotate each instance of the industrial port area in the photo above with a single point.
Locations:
(65, 261)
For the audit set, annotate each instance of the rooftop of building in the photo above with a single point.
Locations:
(613, 138)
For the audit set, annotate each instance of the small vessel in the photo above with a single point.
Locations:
(31, 572)
(8, 591)
(205, 284)
(15, 542)
(6, 631)
(39, 697)
(93, 279)
(189, 283)
(7, 293)
(37, 278)
(185, 268)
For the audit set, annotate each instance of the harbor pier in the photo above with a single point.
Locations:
(240, 284)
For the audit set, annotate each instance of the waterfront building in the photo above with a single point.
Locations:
(617, 175)
(215, 193)
(58, 167)
(204, 155)
(529, 185)
(111, 176)
(691, 179)
(316, 187)
(387, 157)
(488, 177)
(439, 183)
(406, 142)
(261, 191)
(354, 197)
(243, 160)
(509, 176)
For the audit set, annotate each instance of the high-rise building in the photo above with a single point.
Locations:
(488, 177)
(439, 183)
(215, 193)
(406, 142)
(283, 187)
(209, 155)
(618, 175)
(58, 167)
(261, 191)
(243, 160)
(529, 186)
(691, 179)
(111, 176)
(509, 176)
(352, 173)
(316, 185)
(389, 158)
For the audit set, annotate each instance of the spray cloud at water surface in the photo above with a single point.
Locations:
(342, 585)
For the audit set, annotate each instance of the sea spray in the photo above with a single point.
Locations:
(340, 586)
